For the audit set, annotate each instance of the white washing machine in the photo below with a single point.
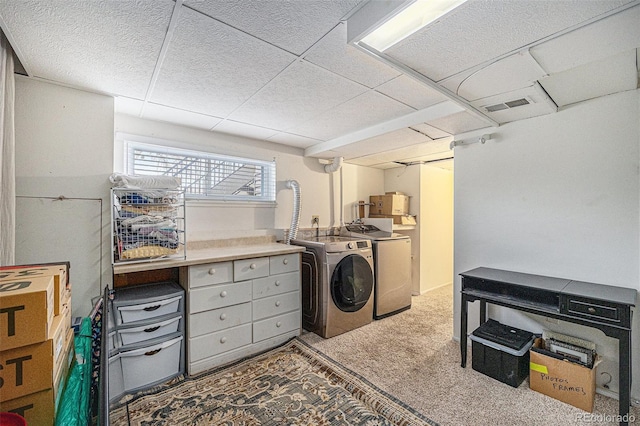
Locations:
(337, 284)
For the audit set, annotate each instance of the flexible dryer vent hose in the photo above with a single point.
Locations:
(295, 216)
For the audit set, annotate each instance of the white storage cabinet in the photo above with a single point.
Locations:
(239, 308)
(146, 337)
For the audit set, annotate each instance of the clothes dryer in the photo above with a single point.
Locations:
(392, 258)
(337, 284)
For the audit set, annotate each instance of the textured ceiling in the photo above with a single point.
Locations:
(282, 70)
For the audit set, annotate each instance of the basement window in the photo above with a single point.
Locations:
(204, 175)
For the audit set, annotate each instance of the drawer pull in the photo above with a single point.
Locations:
(277, 283)
(151, 308)
(152, 329)
(285, 261)
(253, 266)
(591, 310)
(151, 353)
(278, 303)
(278, 324)
(223, 339)
(223, 317)
(223, 293)
(212, 271)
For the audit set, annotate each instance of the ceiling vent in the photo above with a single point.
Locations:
(507, 105)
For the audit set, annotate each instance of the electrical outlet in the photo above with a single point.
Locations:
(315, 220)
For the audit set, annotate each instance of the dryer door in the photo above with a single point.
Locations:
(351, 283)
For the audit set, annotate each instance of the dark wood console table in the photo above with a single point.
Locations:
(604, 307)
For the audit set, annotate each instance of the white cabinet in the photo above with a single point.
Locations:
(241, 307)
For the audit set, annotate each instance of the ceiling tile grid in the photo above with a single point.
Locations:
(212, 68)
(243, 129)
(157, 112)
(293, 140)
(300, 93)
(334, 54)
(457, 123)
(489, 29)
(292, 25)
(363, 111)
(109, 47)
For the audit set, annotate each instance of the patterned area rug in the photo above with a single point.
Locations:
(293, 384)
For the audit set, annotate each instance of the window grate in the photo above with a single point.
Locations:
(204, 175)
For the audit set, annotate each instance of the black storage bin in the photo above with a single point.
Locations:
(501, 352)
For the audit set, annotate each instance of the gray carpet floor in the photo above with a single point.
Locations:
(412, 356)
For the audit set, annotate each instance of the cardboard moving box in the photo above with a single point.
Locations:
(26, 311)
(59, 272)
(32, 368)
(389, 204)
(563, 380)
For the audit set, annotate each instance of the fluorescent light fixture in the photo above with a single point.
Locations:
(412, 18)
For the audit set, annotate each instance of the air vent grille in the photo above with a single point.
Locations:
(506, 105)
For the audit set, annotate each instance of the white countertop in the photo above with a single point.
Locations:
(207, 255)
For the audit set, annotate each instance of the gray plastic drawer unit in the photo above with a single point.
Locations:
(142, 302)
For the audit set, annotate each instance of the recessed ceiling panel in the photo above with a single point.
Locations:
(243, 129)
(460, 122)
(179, 116)
(600, 78)
(408, 91)
(383, 143)
(293, 140)
(479, 31)
(334, 54)
(300, 93)
(366, 110)
(430, 131)
(600, 40)
(103, 46)
(212, 68)
(511, 73)
(292, 25)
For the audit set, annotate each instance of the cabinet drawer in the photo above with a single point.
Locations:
(276, 305)
(150, 330)
(216, 343)
(593, 309)
(271, 327)
(211, 273)
(219, 319)
(276, 284)
(218, 296)
(249, 269)
(284, 263)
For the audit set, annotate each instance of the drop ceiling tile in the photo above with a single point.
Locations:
(293, 140)
(292, 25)
(334, 54)
(485, 30)
(408, 91)
(600, 40)
(179, 116)
(103, 46)
(363, 111)
(511, 73)
(244, 129)
(212, 68)
(611, 75)
(417, 151)
(384, 143)
(457, 123)
(128, 106)
(301, 92)
(430, 131)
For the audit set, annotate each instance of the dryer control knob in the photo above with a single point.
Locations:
(351, 245)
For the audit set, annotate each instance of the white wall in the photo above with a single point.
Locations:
(319, 190)
(436, 216)
(64, 148)
(555, 195)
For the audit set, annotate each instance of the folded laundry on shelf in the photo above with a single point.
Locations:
(120, 180)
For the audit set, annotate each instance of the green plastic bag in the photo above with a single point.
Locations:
(74, 408)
